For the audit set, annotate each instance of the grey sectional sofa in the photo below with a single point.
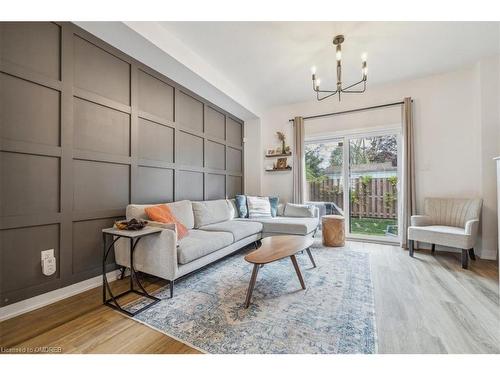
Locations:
(215, 230)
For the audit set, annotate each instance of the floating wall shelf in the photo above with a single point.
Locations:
(279, 170)
(278, 155)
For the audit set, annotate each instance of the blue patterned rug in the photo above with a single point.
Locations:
(335, 314)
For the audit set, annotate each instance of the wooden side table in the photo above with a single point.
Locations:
(134, 236)
(333, 230)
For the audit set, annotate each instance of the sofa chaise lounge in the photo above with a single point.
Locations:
(214, 231)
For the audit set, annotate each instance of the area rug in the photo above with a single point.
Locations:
(335, 314)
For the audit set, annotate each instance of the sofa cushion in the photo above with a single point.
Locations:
(238, 229)
(299, 210)
(258, 207)
(234, 209)
(241, 205)
(182, 210)
(163, 214)
(274, 205)
(441, 235)
(211, 212)
(287, 225)
(199, 243)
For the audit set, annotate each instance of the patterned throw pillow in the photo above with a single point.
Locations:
(258, 207)
(162, 214)
(241, 206)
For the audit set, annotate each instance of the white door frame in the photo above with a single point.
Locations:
(346, 137)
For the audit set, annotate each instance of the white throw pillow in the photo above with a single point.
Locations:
(298, 210)
(258, 207)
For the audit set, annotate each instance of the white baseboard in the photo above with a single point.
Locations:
(490, 255)
(45, 299)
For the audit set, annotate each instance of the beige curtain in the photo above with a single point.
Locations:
(408, 181)
(298, 160)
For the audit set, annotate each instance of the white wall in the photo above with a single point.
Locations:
(252, 157)
(456, 134)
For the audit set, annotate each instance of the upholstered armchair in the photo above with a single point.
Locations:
(447, 222)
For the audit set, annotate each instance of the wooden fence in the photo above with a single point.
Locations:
(370, 197)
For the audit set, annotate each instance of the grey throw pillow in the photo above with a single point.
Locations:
(298, 210)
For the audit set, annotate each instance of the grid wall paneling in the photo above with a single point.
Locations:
(84, 131)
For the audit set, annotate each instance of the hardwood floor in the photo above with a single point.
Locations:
(427, 304)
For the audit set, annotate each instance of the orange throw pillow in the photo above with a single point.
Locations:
(163, 214)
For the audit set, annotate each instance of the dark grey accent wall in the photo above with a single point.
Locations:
(85, 130)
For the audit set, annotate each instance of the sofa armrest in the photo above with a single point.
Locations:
(316, 212)
(155, 254)
(471, 227)
(159, 224)
(420, 220)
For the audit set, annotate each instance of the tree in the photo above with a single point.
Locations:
(313, 162)
(382, 149)
(336, 157)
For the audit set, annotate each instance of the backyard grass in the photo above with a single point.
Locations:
(371, 226)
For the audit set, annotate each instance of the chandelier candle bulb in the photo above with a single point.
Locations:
(313, 70)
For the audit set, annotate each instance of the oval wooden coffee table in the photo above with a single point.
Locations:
(273, 249)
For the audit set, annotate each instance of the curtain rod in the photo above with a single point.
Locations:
(352, 110)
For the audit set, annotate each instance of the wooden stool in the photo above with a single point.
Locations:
(333, 230)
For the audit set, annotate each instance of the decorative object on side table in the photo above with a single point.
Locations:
(132, 224)
(134, 236)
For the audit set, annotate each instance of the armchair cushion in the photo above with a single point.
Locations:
(442, 235)
(420, 220)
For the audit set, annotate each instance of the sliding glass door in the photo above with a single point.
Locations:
(367, 167)
(373, 185)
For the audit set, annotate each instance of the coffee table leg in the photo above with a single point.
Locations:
(311, 257)
(251, 285)
(297, 269)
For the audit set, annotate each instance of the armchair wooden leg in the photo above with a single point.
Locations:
(411, 247)
(471, 254)
(433, 249)
(465, 259)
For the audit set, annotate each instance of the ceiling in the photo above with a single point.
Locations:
(271, 61)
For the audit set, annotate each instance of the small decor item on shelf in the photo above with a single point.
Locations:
(287, 150)
(278, 151)
(270, 151)
(132, 224)
(281, 137)
(281, 163)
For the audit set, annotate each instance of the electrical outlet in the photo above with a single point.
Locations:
(47, 254)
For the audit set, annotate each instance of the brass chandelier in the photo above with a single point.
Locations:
(337, 41)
